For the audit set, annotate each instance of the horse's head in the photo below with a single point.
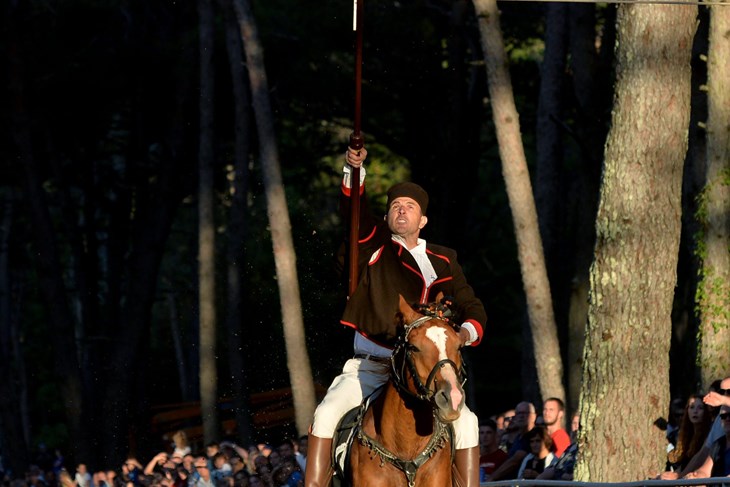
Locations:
(429, 349)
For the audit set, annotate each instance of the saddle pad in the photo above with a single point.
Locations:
(343, 438)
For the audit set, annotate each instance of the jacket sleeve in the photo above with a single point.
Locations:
(373, 232)
(470, 307)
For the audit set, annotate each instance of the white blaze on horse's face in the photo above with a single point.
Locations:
(439, 337)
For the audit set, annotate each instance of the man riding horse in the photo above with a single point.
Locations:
(393, 261)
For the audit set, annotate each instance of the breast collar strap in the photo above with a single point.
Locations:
(441, 433)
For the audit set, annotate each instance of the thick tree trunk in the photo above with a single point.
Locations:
(637, 238)
(206, 231)
(519, 190)
(237, 226)
(300, 372)
(713, 294)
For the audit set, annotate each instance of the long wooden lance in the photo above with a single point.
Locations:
(356, 142)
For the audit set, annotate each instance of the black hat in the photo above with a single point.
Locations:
(410, 190)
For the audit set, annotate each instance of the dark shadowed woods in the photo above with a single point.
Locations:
(99, 279)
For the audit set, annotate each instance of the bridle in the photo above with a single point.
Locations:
(402, 360)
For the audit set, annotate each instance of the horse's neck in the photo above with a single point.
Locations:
(403, 426)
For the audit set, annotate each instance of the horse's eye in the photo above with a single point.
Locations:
(413, 348)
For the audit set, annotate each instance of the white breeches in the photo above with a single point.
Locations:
(359, 378)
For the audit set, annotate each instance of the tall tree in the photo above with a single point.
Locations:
(524, 216)
(549, 135)
(590, 65)
(237, 223)
(206, 230)
(637, 238)
(13, 432)
(300, 372)
(713, 292)
(47, 260)
(549, 195)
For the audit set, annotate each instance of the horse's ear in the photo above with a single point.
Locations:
(439, 296)
(405, 310)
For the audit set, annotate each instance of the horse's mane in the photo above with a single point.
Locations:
(441, 309)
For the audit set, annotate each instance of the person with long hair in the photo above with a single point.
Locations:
(716, 464)
(693, 429)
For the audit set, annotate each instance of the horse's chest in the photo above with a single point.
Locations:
(388, 461)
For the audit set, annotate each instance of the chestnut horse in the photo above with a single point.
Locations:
(405, 437)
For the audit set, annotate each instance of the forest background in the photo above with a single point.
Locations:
(104, 129)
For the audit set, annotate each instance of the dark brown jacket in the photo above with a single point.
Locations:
(387, 269)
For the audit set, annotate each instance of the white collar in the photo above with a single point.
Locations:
(420, 247)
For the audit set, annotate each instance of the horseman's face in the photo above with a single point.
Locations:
(405, 218)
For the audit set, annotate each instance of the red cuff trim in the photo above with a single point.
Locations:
(346, 191)
(480, 332)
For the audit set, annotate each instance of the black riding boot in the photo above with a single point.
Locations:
(467, 464)
(319, 462)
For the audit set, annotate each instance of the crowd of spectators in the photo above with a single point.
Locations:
(517, 444)
(224, 464)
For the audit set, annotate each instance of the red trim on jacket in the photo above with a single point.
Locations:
(480, 332)
(372, 234)
(354, 327)
(442, 257)
(438, 281)
(379, 252)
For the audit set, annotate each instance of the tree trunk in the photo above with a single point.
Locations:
(591, 90)
(300, 372)
(549, 138)
(238, 227)
(458, 131)
(626, 367)
(550, 195)
(47, 260)
(177, 342)
(206, 231)
(713, 294)
(13, 438)
(524, 215)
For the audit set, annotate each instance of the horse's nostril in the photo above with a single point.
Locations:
(442, 399)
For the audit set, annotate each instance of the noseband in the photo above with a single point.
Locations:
(402, 358)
